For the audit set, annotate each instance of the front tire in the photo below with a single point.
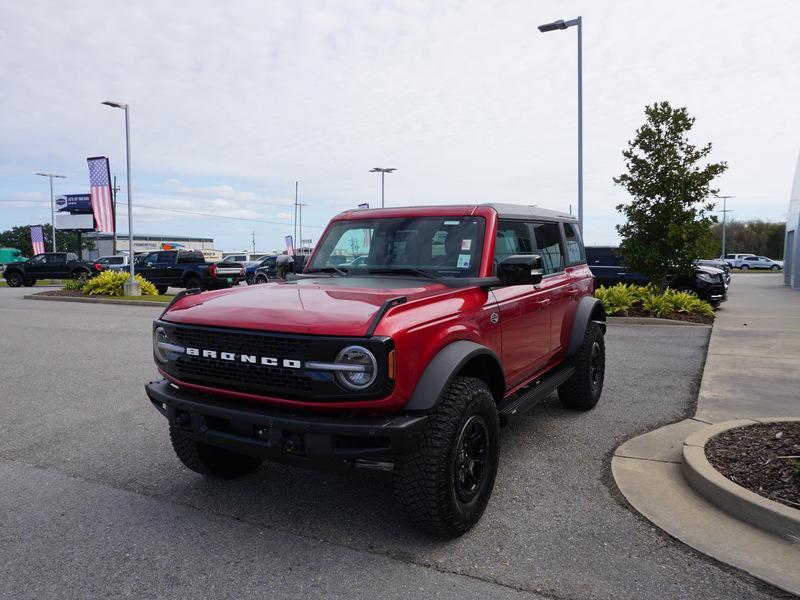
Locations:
(15, 280)
(210, 460)
(583, 389)
(745, 267)
(774, 268)
(444, 484)
(260, 278)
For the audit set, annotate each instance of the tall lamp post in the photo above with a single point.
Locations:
(383, 172)
(132, 287)
(725, 210)
(52, 205)
(554, 26)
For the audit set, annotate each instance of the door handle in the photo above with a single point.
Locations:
(622, 274)
(542, 303)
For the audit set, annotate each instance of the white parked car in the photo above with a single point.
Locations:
(115, 262)
(760, 262)
(735, 260)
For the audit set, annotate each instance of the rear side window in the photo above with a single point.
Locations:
(56, 259)
(572, 237)
(548, 246)
(190, 257)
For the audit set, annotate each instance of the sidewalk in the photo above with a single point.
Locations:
(752, 371)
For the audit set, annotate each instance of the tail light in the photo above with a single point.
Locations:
(98, 267)
(213, 270)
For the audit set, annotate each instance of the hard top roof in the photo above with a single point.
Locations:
(504, 211)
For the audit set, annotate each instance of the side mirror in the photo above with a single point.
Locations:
(521, 269)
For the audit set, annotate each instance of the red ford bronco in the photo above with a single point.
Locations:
(411, 337)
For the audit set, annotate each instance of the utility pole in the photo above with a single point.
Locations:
(294, 232)
(52, 204)
(254, 241)
(300, 242)
(724, 212)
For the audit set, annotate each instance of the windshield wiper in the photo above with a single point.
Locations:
(328, 270)
(403, 271)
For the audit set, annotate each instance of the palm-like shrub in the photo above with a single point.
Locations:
(111, 283)
(620, 298)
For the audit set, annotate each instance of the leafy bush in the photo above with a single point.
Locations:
(73, 284)
(620, 298)
(111, 283)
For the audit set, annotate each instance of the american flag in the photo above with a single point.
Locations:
(100, 182)
(37, 239)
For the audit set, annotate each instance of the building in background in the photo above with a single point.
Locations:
(104, 243)
(791, 249)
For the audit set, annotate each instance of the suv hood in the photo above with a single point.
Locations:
(341, 307)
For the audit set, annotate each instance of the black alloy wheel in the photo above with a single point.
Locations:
(470, 472)
(14, 280)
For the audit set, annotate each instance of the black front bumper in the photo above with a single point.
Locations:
(303, 439)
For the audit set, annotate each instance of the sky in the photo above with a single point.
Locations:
(231, 103)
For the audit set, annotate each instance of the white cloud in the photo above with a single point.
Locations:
(467, 100)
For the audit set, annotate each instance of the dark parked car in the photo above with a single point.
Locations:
(266, 266)
(50, 265)
(185, 269)
(269, 270)
(607, 265)
(717, 263)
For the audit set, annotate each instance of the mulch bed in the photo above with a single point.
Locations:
(636, 311)
(754, 457)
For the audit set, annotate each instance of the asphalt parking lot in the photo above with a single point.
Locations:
(93, 502)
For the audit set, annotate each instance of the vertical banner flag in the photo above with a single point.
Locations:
(100, 186)
(289, 246)
(37, 239)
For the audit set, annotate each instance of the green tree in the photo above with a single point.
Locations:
(20, 237)
(755, 236)
(668, 219)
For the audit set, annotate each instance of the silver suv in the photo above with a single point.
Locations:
(760, 262)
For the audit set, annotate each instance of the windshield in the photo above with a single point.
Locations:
(444, 246)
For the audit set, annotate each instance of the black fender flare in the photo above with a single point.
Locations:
(441, 371)
(589, 309)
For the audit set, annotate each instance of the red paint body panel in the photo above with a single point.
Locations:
(530, 337)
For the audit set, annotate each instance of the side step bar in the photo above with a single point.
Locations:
(537, 391)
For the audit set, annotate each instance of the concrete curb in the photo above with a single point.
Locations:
(94, 300)
(652, 321)
(740, 502)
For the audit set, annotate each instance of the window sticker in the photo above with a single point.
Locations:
(463, 261)
(452, 222)
(466, 245)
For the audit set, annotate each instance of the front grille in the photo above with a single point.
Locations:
(244, 376)
(256, 378)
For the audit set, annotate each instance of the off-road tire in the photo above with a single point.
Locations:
(425, 486)
(162, 289)
(261, 279)
(194, 282)
(15, 280)
(210, 460)
(583, 389)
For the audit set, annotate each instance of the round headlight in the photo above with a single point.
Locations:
(163, 347)
(359, 368)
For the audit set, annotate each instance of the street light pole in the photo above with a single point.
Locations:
(383, 172)
(724, 212)
(561, 24)
(299, 243)
(52, 205)
(132, 287)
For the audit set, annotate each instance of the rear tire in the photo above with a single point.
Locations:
(194, 282)
(249, 279)
(162, 289)
(80, 274)
(745, 267)
(15, 280)
(210, 460)
(444, 484)
(583, 389)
